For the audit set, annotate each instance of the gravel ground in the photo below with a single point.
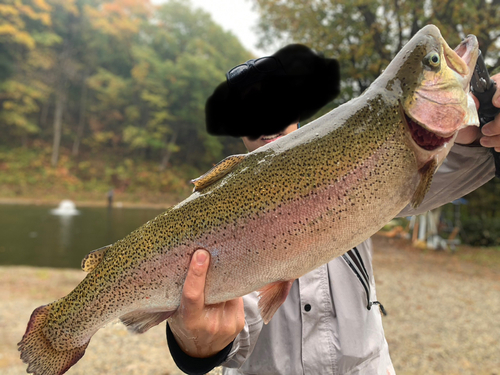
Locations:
(443, 315)
(443, 311)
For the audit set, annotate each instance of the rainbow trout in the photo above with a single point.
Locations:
(270, 216)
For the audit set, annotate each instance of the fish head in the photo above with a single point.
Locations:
(434, 83)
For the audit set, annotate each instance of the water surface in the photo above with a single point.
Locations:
(31, 235)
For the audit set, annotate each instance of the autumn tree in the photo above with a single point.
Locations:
(153, 101)
(24, 32)
(122, 82)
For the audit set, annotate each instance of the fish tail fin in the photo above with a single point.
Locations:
(39, 354)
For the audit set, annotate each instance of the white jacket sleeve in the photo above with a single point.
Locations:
(464, 170)
(245, 342)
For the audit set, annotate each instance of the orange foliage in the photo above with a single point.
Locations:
(120, 18)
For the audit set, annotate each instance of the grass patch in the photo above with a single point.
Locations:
(483, 256)
(27, 173)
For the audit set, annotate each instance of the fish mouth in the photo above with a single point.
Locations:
(468, 52)
(423, 137)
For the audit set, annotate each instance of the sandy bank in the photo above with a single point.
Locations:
(443, 316)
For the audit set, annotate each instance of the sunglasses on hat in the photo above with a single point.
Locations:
(254, 70)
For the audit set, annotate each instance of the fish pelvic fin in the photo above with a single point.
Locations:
(92, 259)
(39, 354)
(220, 170)
(141, 321)
(272, 297)
(426, 175)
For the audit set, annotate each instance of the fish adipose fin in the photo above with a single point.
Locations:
(37, 351)
(272, 297)
(426, 172)
(92, 259)
(221, 169)
(141, 321)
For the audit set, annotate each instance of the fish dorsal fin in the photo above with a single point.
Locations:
(272, 297)
(92, 259)
(426, 172)
(217, 172)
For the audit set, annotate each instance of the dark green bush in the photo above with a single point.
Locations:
(481, 232)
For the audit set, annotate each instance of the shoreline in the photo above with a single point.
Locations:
(85, 203)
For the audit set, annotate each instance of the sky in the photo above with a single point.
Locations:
(236, 16)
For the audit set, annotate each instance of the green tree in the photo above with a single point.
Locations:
(156, 103)
(201, 53)
(65, 74)
(366, 34)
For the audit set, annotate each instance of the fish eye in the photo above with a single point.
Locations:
(432, 59)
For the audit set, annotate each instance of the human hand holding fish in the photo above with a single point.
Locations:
(204, 330)
(489, 134)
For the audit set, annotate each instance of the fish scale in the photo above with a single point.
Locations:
(270, 216)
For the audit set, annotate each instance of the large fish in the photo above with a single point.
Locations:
(270, 216)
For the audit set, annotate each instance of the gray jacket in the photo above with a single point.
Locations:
(324, 326)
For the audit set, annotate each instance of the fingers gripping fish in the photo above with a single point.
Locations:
(270, 216)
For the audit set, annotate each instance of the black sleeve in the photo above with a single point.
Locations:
(192, 365)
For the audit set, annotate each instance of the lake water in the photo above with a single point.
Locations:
(31, 235)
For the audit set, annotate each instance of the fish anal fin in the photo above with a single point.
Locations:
(39, 354)
(272, 297)
(92, 259)
(140, 321)
(217, 172)
(426, 173)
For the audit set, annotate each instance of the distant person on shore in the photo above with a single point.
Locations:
(111, 194)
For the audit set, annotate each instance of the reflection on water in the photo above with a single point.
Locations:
(65, 234)
(31, 235)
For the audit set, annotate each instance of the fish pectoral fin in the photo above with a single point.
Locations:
(92, 259)
(140, 321)
(39, 353)
(426, 175)
(272, 297)
(217, 172)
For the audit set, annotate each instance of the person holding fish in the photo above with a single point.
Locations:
(327, 324)
(257, 237)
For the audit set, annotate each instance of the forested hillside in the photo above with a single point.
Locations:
(109, 94)
(101, 94)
